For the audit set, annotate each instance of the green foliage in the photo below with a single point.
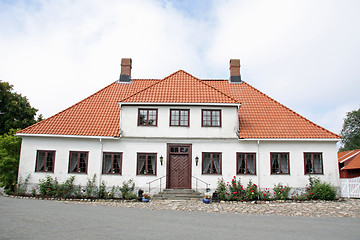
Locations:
(33, 192)
(351, 131)
(281, 192)
(66, 189)
(251, 192)
(91, 188)
(236, 190)
(9, 160)
(102, 191)
(15, 109)
(48, 187)
(221, 189)
(127, 189)
(318, 189)
(21, 187)
(265, 195)
(111, 194)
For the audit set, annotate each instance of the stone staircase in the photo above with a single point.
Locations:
(178, 194)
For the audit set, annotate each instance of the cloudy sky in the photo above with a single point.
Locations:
(304, 54)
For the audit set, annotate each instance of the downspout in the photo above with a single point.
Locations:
(258, 167)
(101, 160)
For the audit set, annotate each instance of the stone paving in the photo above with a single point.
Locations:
(340, 208)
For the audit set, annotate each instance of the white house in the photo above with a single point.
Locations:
(182, 130)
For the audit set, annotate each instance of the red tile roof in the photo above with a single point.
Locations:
(351, 159)
(259, 115)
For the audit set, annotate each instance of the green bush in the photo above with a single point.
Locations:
(127, 189)
(48, 187)
(91, 188)
(265, 195)
(281, 192)
(102, 190)
(251, 192)
(318, 189)
(21, 187)
(221, 189)
(236, 190)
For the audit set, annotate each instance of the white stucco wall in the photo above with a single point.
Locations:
(130, 128)
(130, 146)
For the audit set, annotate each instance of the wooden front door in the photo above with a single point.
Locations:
(179, 166)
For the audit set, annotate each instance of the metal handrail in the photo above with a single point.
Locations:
(155, 181)
(207, 184)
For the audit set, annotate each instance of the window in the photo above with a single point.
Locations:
(280, 163)
(211, 118)
(112, 163)
(313, 163)
(246, 163)
(146, 163)
(179, 118)
(45, 161)
(78, 162)
(211, 163)
(147, 117)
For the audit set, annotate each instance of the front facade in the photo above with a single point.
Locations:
(180, 132)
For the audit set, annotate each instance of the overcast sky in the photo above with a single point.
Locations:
(304, 54)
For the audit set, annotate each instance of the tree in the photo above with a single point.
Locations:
(15, 110)
(351, 131)
(9, 160)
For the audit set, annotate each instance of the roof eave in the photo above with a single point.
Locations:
(291, 139)
(64, 136)
(179, 103)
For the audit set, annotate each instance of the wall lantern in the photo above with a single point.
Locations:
(161, 160)
(197, 160)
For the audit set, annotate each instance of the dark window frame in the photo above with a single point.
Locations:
(146, 164)
(212, 163)
(112, 163)
(179, 111)
(279, 159)
(45, 163)
(78, 162)
(246, 162)
(211, 117)
(147, 117)
(313, 163)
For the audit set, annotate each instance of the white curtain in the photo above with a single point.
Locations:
(153, 164)
(73, 162)
(206, 164)
(107, 164)
(41, 162)
(216, 162)
(251, 165)
(317, 164)
(141, 167)
(284, 164)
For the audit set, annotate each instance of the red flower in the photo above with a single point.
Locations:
(255, 185)
(264, 194)
(235, 197)
(283, 190)
(311, 193)
(234, 177)
(251, 190)
(234, 192)
(305, 194)
(308, 188)
(247, 198)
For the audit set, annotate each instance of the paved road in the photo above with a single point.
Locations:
(40, 219)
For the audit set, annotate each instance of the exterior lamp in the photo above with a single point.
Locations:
(197, 160)
(161, 160)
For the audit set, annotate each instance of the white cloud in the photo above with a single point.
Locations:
(303, 54)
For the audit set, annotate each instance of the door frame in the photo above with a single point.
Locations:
(169, 145)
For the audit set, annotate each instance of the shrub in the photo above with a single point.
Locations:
(48, 187)
(251, 192)
(264, 195)
(236, 190)
(127, 189)
(21, 188)
(102, 190)
(320, 190)
(111, 194)
(66, 189)
(91, 188)
(281, 192)
(221, 189)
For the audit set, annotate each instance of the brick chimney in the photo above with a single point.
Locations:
(235, 76)
(125, 75)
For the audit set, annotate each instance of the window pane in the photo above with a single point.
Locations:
(274, 163)
(73, 162)
(206, 118)
(216, 163)
(241, 163)
(141, 164)
(116, 163)
(184, 149)
(151, 164)
(107, 163)
(152, 117)
(49, 161)
(317, 163)
(250, 164)
(40, 161)
(308, 164)
(184, 118)
(216, 118)
(284, 163)
(206, 163)
(142, 117)
(174, 117)
(82, 162)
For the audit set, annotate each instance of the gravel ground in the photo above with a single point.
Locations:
(340, 208)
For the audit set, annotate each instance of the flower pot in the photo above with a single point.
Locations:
(206, 201)
(145, 200)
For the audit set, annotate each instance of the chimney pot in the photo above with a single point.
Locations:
(235, 76)
(125, 75)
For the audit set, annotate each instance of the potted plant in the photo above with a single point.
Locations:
(207, 198)
(146, 197)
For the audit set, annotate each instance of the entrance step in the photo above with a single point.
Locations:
(178, 194)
